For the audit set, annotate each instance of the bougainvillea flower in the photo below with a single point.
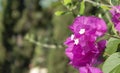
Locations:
(116, 18)
(91, 25)
(78, 59)
(101, 45)
(118, 27)
(82, 48)
(115, 11)
(88, 69)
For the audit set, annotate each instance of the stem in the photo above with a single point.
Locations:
(111, 3)
(96, 3)
(106, 54)
(113, 36)
(70, 10)
(73, 13)
(52, 46)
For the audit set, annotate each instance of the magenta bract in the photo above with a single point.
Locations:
(89, 26)
(82, 48)
(115, 11)
(90, 70)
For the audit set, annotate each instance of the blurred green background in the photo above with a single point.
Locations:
(31, 36)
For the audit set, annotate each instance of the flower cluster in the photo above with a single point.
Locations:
(115, 11)
(82, 48)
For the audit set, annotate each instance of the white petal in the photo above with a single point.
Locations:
(72, 37)
(76, 41)
(82, 31)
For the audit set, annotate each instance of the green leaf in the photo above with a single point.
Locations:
(66, 2)
(105, 7)
(112, 62)
(58, 13)
(82, 7)
(116, 69)
(114, 30)
(112, 45)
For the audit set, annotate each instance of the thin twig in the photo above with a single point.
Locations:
(70, 10)
(96, 3)
(52, 46)
(106, 54)
(113, 36)
(111, 3)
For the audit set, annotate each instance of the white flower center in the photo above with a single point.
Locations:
(72, 37)
(117, 10)
(76, 41)
(82, 31)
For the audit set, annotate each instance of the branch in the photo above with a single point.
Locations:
(52, 46)
(113, 36)
(96, 3)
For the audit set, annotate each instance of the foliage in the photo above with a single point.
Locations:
(111, 63)
(32, 35)
(111, 53)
